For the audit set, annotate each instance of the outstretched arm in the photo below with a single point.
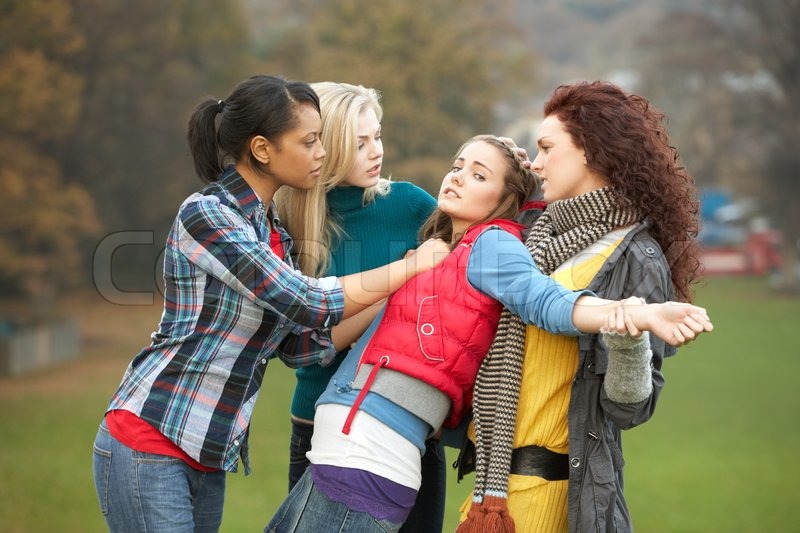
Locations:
(676, 323)
(501, 267)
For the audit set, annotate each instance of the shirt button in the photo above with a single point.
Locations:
(236, 442)
(575, 462)
(263, 361)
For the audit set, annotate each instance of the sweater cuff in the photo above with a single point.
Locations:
(628, 376)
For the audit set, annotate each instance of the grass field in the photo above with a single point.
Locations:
(720, 454)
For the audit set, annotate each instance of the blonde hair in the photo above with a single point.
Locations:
(519, 184)
(305, 213)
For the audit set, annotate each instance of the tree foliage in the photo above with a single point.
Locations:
(95, 94)
(442, 67)
(44, 217)
(94, 100)
(765, 36)
(728, 75)
(685, 69)
(144, 66)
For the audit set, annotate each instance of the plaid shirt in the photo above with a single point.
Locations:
(230, 305)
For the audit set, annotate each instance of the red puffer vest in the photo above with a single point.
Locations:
(438, 328)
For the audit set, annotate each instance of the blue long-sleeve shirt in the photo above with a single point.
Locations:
(499, 266)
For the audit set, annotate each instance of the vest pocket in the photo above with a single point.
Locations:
(429, 329)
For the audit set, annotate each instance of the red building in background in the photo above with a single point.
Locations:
(733, 239)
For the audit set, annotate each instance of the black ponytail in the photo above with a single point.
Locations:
(202, 137)
(260, 105)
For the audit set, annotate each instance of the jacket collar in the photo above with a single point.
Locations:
(511, 226)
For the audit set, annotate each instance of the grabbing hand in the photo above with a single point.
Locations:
(429, 254)
(620, 322)
(520, 152)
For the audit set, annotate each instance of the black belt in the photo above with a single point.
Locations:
(541, 462)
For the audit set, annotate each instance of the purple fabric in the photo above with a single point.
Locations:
(365, 492)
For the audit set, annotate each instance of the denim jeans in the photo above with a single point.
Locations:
(147, 492)
(306, 509)
(299, 445)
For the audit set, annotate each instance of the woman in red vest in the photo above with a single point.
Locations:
(413, 371)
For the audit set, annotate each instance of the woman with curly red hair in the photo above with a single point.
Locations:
(621, 220)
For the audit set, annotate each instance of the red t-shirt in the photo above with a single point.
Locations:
(139, 435)
(275, 243)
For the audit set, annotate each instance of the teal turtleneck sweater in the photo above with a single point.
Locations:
(374, 235)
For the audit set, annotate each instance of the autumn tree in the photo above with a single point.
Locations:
(727, 74)
(447, 69)
(764, 37)
(144, 66)
(44, 216)
(94, 100)
(685, 69)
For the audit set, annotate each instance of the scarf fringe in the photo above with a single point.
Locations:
(489, 516)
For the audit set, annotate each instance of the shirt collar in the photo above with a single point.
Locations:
(235, 184)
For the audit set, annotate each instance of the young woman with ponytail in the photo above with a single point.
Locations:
(233, 300)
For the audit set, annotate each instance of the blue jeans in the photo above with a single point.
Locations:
(147, 492)
(306, 509)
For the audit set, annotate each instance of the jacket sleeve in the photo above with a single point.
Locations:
(641, 271)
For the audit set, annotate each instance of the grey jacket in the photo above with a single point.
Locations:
(596, 502)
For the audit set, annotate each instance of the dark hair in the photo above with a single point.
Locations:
(625, 141)
(260, 105)
(519, 183)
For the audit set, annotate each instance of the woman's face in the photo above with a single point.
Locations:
(474, 186)
(296, 160)
(561, 164)
(369, 157)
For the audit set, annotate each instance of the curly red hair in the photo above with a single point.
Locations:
(625, 140)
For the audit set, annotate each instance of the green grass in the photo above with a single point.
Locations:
(719, 455)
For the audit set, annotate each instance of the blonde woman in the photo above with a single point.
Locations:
(353, 219)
